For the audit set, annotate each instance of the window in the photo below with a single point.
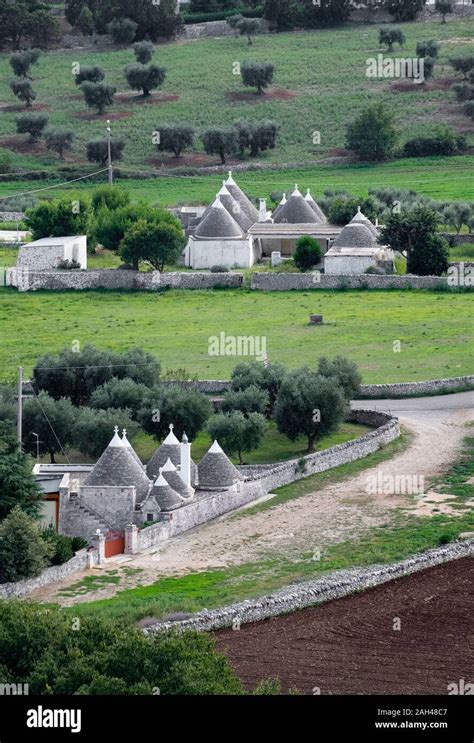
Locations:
(150, 516)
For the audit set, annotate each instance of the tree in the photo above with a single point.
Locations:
(76, 374)
(307, 252)
(122, 30)
(372, 135)
(109, 197)
(23, 90)
(93, 429)
(391, 36)
(145, 77)
(188, 410)
(248, 27)
(344, 371)
(430, 257)
(468, 109)
(280, 14)
(234, 20)
(65, 216)
(32, 124)
(463, 64)
(153, 242)
(21, 62)
(220, 142)
(342, 208)
(457, 214)
(111, 224)
(92, 74)
(238, 433)
(463, 91)
(98, 95)
(52, 420)
(23, 553)
(257, 75)
(85, 22)
(444, 7)
(175, 138)
(268, 378)
(18, 486)
(252, 399)
(407, 230)
(404, 10)
(428, 67)
(98, 150)
(429, 48)
(144, 51)
(258, 136)
(123, 393)
(26, 19)
(60, 141)
(324, 13)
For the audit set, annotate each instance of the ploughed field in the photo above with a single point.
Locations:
(350, 646)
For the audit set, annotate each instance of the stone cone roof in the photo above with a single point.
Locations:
(169, 449)
(173, 478)
(314, 206)
(118, 467)
(282, 203)
(132, 451)
(248, 208)
(167, 498)
(355, 235)
(234, 208)
(360, 218)
(217, 222)
(296, 211)
(216, 471)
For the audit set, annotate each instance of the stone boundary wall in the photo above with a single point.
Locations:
(283, 282)
(262, 479)
(310, 593)
(60, 280)
(11, 217)
(410, 389)
(82, 560)
(193, 31)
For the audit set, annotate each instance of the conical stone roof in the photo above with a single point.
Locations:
(360, 218)
(355, 235)
(217, 222)
(169, 449)
(296, 211)
(216, 471)
(173, 478)
(282, 203)
(248, 208)
(118, 467)
(167, 498)
(234, 208)
(314, 206)
(132, 451)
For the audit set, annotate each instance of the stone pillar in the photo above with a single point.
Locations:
(185, 461)
(131, 539)
(98, 542)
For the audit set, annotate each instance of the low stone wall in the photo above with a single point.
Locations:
(27, 280)
(309, 593)
(410, 389)
(213, 29)
(283, 282)
(81, 561)
(11, 217)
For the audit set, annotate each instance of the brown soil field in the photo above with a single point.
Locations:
(350, 645)
(271, 94)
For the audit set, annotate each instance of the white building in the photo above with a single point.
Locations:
(49, 252)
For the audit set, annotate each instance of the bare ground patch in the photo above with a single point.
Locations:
(152, 100)
(191, 159)
(272, 94)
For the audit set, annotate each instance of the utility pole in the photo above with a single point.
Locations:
(19, 423)
(37, 444)
(109, 154)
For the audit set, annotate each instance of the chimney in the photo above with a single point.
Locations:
(262, 214)
(185, 461)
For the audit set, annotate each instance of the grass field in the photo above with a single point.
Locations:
(435, 328)
(323, 72)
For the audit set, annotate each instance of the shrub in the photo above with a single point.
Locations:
(97, 150)
(59, 141)
(23, 553)
(93, 429)
(307, 253)
(429, 48)
(85, 22)
(444, 7)
(372, 135)
(93, 74)
(122, 30)
(56, 218)
(23, 90)
(462, 64)
(463, 91)
(443, 142)
(61, 546)
(98, 95)
(404, 10)
(144, 51)
(219, 269)
(32, 124)
(20, 62)
(391, 36)
(110, 197)
(145, 77)
(248, 27)
(430, 256)
(257, 75)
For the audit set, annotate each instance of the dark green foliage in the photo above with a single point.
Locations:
(429, 48)
(111, 225)
(76, 374)
(153, 20)
(27, 19)
(59, 140)
(257, 75)
(344, 371)
(18, 487)
(252, 399)
(109, 197)
(428, 68)
(98, 95)
(343, 207)
(7, 407)
(144, 51)
(309, 404)
(444, 7)
(20, 62)
(257, 136)
(413, 233)
(52, 420)
(156, 243)
(85, 22)
(122, 30)
(282, 15)
(119, 393)
(145, 77)
(61, 546)
(187, 409)
(324, 13)
(463, 64)
(93, 429)
(391, 36)
(458, 214)
(32, 124)
(65, 216)
(97, 150)
(38, 648)
(23, 553)
(237, 432)
(372, 135)
(307, 253)
(248, 27)
(267, 378)
(23, 90)
(175, 138)
(468, 109)
(443, 142)
(94, 74)
(404, 10)
(220, 142)
(463, 91)
(430, 257)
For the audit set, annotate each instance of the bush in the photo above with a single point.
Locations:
(307, 253)
(430, 257)
(67, 265)
(32, 124)
(444, 7)
(85, 22)
(61, 546)
(97, 150)
(93, 74)
(257, 75)
(219, 269)
(122, 30)
(93, 429)
(98, 95)
(428, 48)
(23, 90)
(145, 77)
(20, 62)
(463, 91)
(372, 135)
(109, 197)
(57, 218)
(391, 36)
(443, 142)
(462, 64)
(144, 51)
(23, 553)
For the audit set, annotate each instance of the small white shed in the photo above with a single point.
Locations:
(48, 252)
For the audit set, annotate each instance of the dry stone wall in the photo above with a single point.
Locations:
(82, 560)
(274, 282)
(407, 389)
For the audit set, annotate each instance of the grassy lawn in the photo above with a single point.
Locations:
(324, 70)
(211, 589)
(435, 328)
(462, 253)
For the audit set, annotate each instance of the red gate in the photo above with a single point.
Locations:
(114, 543)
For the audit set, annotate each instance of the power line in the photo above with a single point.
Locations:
(55, 185)
(49, 423)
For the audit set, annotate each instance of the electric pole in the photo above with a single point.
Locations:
(19, 423)
(109, 154)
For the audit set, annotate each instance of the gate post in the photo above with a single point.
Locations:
(99, 543)
(131, 539)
